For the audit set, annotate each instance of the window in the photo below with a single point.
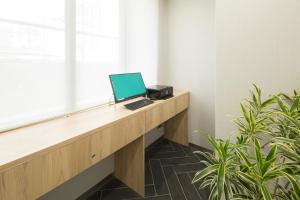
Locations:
(54, 54)
(98, 44)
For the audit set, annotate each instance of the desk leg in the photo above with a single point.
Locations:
(176, 128)
(130, 165)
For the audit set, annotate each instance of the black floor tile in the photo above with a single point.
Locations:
(188, 151)
(169, 170)
(149, 191)
(177, 147)
(94, 196)
(114, 183)
(148, 174)
(198, 148)
(163, 148)
(183, 168)
(176, 191)
(121, 193)
(147, 152)
(163, 197)
(158, 178)
(204, 192)
(162, 142)
(189, 189)
(176, 161)
(169, 154)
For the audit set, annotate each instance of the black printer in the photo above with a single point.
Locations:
(159, 92)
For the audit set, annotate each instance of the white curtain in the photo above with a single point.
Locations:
(55, 56)
(98, 33)
(32, 75)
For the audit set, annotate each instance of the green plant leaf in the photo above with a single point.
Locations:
(294, 121)
(289, 153)
(221, 180)
(255, 100)
(228, 186)
(206, 183)
(282, 105)
(252, 120)
(245, 114)
(270, 159)
(295, 104)
(267, 102)
(213, 192)
(284, 193)
(294, 183)
(272, 153)
(247, 186)
(285, 96)
(267, 165)
(205, 172)
(258, 90)
(244, 158)
(205, 163)
(257, 151)
(247, 177)
(265, 192)
(208, 156)
(272, 175)
(241, 197)
(215, 146)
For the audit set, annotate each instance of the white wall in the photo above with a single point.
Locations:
(191, 60)
(257, 41)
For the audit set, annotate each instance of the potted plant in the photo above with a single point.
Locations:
(263, 162)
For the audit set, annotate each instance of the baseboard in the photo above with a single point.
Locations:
(200, 147)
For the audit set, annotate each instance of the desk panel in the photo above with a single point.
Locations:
(130, 165)
(182, 102)
(111, 139)
(165, 110)
(159, 114)
(42, 174)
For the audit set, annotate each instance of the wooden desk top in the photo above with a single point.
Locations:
(20, 145)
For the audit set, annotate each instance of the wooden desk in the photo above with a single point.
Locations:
(36, 159)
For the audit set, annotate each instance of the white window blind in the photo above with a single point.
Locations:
(46, 64)
(98, 44)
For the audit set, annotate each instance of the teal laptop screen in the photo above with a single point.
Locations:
(128, 85)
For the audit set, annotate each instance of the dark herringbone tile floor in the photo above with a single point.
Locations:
(169, 170)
